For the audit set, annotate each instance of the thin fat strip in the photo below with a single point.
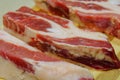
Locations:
(70, 46)
(37, 63)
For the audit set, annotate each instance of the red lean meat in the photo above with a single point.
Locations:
(96, 15)
(36, 63)
(61, 37)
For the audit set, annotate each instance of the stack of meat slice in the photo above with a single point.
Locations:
(96, 15)
(61, 37)
(36, 63)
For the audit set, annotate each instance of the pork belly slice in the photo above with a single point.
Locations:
(98, 15)
(62, 38)
(36, 63)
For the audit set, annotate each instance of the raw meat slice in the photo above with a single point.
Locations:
(38, 64)
(60, 36)
(96, 15)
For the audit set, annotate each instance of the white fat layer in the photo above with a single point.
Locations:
(26, 38)
(111, 5)
(114, 1)
(10, 71)
(58, 70)
(58, 31)
(9, 38)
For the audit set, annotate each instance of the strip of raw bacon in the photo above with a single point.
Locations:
(96, 15)
(60, 36)
(42, 66)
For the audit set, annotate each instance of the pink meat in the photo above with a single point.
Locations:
(36, 21)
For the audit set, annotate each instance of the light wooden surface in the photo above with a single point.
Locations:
(1, 79)
(11, 5)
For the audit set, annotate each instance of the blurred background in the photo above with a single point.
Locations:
(12, 5)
